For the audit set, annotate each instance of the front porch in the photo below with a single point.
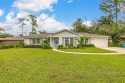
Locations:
(65, 41)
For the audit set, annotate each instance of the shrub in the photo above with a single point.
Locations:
(6, 46)
(79, 46)
(110, 44)
(32, 46)
(46, 45)
(71, 46)
(60, 47)
(19, 44)
(89, 45)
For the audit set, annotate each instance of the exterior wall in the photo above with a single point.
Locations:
(30, 41)
(27, 41)
(99, 41)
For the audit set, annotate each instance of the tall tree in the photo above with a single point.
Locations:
(111, 8)
(22, 24)
(41, 32)
(105, 20)
(33, 21)
(78, 26)
(115, 28)
(4, 35)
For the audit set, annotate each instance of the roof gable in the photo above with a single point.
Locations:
(65, 30)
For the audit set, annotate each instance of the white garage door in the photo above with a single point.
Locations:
(100, 42)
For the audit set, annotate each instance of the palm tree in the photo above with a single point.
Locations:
(22, 23)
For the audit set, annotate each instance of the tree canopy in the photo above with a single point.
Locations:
(78, 26)
(33, 21)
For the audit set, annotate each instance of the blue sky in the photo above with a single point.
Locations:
(62, 12)
(76, 9)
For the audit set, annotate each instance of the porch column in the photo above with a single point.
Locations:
(60, 41)
(51, 42)
(30, 41)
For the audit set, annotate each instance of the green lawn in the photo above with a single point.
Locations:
(46, 66)
(88, 50)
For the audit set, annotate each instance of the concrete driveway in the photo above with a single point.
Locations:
(116, 49)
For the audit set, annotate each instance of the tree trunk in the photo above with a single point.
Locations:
(22, 30)
(116, 13)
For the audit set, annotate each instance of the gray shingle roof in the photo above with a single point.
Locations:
(44, 35)
(12, 38)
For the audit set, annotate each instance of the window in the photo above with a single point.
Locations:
(38, 41)
(66, 41)
(34, 41)
(49, 40)
(56, 41)
(86, 40)
(71, 41)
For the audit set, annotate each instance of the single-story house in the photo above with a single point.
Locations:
(11, 40)
(66, 37)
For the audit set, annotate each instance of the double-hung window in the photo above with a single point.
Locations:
(66, 41)
(38, 41)
(69, 41)
(34, 41)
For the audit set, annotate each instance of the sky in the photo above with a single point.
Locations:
(52, 15)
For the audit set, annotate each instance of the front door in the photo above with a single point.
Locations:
(56, 42)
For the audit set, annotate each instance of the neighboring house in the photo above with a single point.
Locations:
(122, 39)
(66, 37)
(11, 40)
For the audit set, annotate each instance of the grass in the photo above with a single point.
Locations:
(46, 66)
(88, 50)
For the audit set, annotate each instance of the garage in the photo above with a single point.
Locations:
(99, 42)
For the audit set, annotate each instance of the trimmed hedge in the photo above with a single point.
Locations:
(89, 45)
(44, 46)
(6, 46)
(32, 46)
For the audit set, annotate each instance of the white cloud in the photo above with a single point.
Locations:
(45, 22)
(22, 14)
(49, 24)
(34, 5)
(27, 7)
(88, 23)
(69, 1)
(1, 12)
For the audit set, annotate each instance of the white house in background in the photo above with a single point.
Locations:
(65, 37)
